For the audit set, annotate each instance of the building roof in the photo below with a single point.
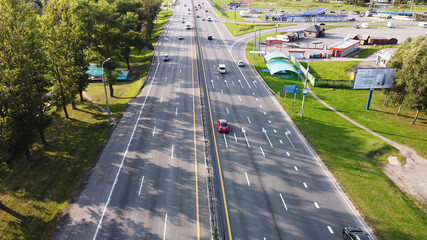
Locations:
(345, 44)
(94, 70)
(280, 66)
(315, 11)
(314, 28)
(122, 75)
(272, 55)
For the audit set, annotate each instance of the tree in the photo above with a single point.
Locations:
(410, 62)
(152, 9)
(22, 77)
(65, 51)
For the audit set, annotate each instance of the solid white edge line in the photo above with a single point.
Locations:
(283, 201)
(124, 157)
(247, 179)
(164, 229)
(140, 187)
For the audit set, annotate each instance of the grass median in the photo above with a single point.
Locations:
(353, 156)
(33, 195)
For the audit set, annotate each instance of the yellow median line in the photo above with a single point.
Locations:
(195, 143)
(216, 150)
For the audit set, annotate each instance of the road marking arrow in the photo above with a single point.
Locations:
(244, 133)
(265, 132)
(287, 133)
(212, 84)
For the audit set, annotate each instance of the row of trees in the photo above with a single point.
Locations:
(45, 52)
(410, 82)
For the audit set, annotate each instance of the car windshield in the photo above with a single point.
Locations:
(223, 124)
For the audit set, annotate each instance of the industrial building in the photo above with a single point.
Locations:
(317, 14)
(344, 48)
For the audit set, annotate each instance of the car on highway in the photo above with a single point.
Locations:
(222, 125)
(166, 57)
(222, 68)
(355, 233)
(210, 37)
(203, 19)
(197, 16)
(209, 19)
(180, 37)
(240, 63)
(188, 9)
(206, 10)
(356, 26)
(352, 19)
(322, 24)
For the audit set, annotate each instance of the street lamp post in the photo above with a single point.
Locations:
(305, 86)
(105, 89)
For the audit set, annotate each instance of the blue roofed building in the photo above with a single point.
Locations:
(279, 66)
(95, 73)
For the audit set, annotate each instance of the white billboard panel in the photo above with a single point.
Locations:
(370, 78)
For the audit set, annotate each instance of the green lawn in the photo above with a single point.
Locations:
(34, 194)
(369, 50)
(242, 28)
(337, 70)
(354, 156)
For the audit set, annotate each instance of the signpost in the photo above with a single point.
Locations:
(372, 78)
(291, 89)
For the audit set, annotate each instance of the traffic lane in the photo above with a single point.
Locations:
(168, 111)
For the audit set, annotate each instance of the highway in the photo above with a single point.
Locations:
(150, 181)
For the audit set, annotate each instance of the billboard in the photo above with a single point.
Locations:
(371, 78)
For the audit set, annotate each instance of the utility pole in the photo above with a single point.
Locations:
(253, 54)
(305, 86)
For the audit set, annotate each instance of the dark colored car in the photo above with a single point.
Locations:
(207, 10)
(355, 233)
(322, 24)
(356, 26)
(222, 125)
(209, 37)
(180, 37)
(352, 19)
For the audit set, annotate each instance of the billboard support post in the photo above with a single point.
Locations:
(369, 98)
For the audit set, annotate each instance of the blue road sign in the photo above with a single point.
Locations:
(299, 71)
(305, 91)
(265, 70)
(291, 89)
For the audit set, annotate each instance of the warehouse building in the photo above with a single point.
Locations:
(344, 48)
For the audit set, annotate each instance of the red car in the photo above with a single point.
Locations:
(222, 125)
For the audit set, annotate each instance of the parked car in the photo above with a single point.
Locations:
(222, 125)
(355, 233)
(240, 63)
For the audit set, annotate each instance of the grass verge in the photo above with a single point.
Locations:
(242, 28)
(34, 194)
(354, 156)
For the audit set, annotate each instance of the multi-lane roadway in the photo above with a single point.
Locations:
(150, 181)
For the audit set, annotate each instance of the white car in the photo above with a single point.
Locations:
(222, 69)
(209, 19)
(240, 63)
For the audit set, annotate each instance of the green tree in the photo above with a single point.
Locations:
(22, 81)
(410, 62)
(65, 49)
(152, 9)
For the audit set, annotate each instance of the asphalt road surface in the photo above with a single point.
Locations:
(150, 180)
